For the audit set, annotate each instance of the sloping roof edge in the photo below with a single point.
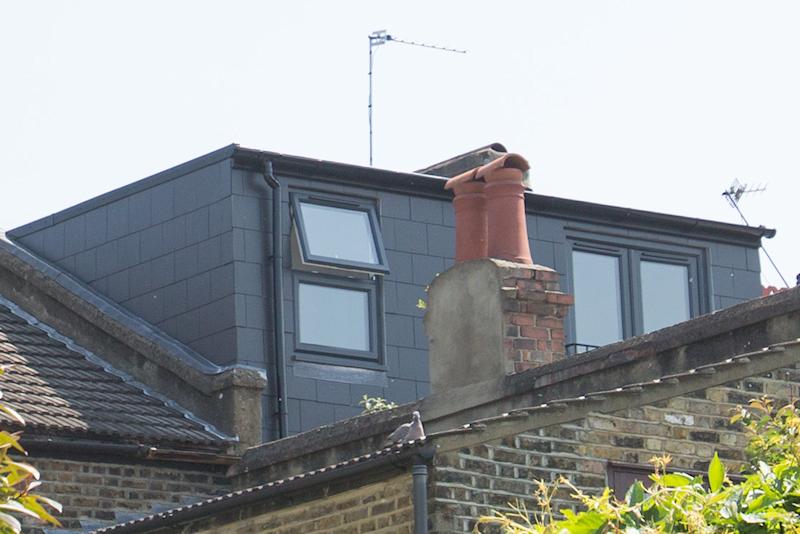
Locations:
(215, 434)
(389, 456)
(111, 317)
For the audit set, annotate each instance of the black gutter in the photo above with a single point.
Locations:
(277, 304)
(423, 185)
(172, 518)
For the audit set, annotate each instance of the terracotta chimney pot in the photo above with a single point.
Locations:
(490, 211)
(470, 208)
(505, 204)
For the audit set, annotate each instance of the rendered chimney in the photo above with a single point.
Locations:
(499, 186)
(494, 313)
(487, 318)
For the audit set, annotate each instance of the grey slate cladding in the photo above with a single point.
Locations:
(189, 251)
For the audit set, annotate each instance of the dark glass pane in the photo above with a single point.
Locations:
(665, 294)
(598, 313)
(333, 316)
(339, 233)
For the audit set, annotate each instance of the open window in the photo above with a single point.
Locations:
(339, 262)
(338, 234)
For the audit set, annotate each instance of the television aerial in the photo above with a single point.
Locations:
(381, 37)
(733, 195)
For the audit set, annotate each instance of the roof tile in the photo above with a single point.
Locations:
(59, 390)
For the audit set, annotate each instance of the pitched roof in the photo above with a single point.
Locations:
(62, 389)
(388, 455)
(725, 369)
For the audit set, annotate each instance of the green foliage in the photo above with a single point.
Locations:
(766, 501)
(375, 404)
(17, 481)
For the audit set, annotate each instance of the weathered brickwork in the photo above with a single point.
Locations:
(533, 316)
(381, 508)
(474, 480)
(95, 492)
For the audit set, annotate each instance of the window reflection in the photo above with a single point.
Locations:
(665, 294)
(333, 317)
(339, 233)
(598, 310)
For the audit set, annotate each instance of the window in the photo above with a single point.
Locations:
(336, 318)
(627, 288)
(339, 260)
(597, 280)
(622, 476)
(338, 233)
(665, 294)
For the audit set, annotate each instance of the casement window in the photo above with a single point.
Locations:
(338, 233)
(629, 288)
(339, 263)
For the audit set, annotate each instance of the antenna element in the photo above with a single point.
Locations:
(378, 38)
(733, 194)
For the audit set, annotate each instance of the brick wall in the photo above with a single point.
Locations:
(534, 309)
(97, 493)
(381, 507)
(470, 482)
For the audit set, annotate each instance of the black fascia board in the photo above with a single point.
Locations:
(422, 185)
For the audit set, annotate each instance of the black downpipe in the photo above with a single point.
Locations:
(419, 474)
(277, 309)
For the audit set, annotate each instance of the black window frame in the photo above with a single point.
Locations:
(298, 198)
(328, 354)
(631, 252)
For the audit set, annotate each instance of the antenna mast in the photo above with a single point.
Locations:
(733, 194)
(378, 38)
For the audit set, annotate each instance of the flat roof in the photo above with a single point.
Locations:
(414, 184)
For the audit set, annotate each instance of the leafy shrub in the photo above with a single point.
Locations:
(766, 501)
(375, 404)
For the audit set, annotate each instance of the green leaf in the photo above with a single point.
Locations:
(589, 522)
(12, 413)
(635, 494)
(30, 502)
(675, 480)
(10, 522)
(716, 473)
(752, 518)
(14, 506)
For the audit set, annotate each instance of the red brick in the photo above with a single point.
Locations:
(530, 285)
(559, 298)
(524, 344)
(533, 332)
(547, 276)
(521, 319)
(549, 322)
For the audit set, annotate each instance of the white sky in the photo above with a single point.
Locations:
(650, 105)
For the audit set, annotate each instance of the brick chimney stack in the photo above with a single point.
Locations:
(494, 313)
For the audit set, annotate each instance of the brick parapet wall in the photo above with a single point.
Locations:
(533, 316)
(98, 492)
(383, 507)
(473, 481)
